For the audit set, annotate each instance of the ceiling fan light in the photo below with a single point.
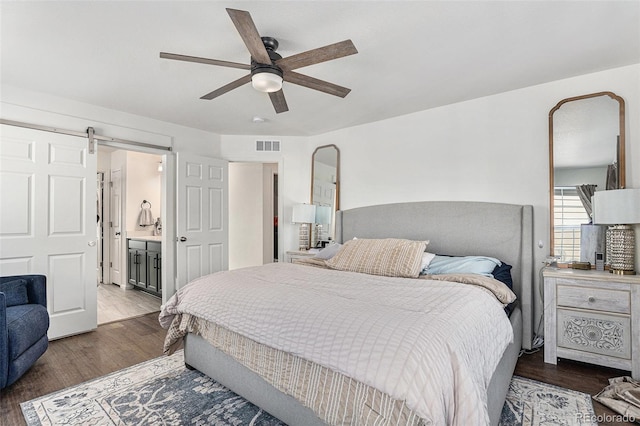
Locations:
(266, 82)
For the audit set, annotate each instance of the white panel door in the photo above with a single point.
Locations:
(115, 228)
(202, 221)
(48, 221)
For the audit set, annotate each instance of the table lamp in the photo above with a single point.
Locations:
(303, 214)
(619, 208)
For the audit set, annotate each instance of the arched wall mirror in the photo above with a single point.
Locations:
(586, 154)
(325, 192)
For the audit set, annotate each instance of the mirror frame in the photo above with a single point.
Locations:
(622, 171)
(337, 207)
(337, 204)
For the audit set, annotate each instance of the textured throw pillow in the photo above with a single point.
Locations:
(15, 292)
(390, 257)
(329, 251)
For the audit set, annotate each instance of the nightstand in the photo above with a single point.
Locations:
(297, 254)
(592, 316)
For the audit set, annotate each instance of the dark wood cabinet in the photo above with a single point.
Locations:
(144, 265)
(154, 264)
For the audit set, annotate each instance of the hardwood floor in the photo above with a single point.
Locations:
(121, 344)
(115, 304)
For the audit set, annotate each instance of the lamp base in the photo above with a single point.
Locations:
(621, 247)
(303, 238)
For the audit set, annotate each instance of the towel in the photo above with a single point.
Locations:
(146, 217)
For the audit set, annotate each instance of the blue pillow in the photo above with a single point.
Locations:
(15, 292)
(502, 273)
(462, 265)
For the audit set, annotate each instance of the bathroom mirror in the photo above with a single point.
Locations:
(325, 191)
(586, 153)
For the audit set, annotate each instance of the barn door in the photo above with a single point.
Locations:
(48, 221)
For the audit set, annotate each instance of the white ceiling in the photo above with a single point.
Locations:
(413, 55)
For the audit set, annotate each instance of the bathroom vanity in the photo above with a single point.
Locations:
(144, 264)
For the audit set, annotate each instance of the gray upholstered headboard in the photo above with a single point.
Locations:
(459, 228)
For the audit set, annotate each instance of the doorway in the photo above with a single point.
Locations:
(253, 214)
(132, 191)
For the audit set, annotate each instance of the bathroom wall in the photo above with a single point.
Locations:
(143, 181)
(251, 213)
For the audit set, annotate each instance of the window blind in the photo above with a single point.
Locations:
(568, 215)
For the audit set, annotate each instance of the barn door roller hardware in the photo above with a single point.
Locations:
(92, 141)
(89, 133)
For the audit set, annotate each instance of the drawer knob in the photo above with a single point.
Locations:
(592, 299)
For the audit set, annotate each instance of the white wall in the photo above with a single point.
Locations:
(104, 161)
(40, 108)
(246, 231)
(143, 182)
(251, 212)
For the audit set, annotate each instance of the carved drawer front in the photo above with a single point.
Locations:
(595, 332)
(599, 299)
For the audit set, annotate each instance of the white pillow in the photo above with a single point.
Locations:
(329, 251)
(426, 260)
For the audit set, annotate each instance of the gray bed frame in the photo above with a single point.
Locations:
(460, 228)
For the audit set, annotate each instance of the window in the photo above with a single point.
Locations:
(568, 215)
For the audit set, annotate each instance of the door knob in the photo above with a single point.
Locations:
(91, 243)
(183, 239)
(117, 233)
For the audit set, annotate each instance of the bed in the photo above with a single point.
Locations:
(256, 370)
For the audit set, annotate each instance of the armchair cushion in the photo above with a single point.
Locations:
(15, 292)
(26, 324)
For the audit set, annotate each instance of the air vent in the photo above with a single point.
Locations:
(267, 145)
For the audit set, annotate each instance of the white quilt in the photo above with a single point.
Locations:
(433, 344)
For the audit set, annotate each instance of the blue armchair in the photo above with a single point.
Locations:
(24, 322)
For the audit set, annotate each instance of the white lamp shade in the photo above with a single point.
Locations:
(323, 215)
(303, 213)
(616, 207)
(266, 82)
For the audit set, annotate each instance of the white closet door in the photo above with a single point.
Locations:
(115, 228)
(202, 221)
(48, 221)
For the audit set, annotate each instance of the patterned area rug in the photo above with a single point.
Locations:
(532, 403)
(162, 391)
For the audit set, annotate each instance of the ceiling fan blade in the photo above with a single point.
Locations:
(186, 58)
(247, 29)
(278, 101)
(314, 83)
(227, 87)
(315, 56)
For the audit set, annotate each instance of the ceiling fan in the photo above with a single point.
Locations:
(268, 68)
